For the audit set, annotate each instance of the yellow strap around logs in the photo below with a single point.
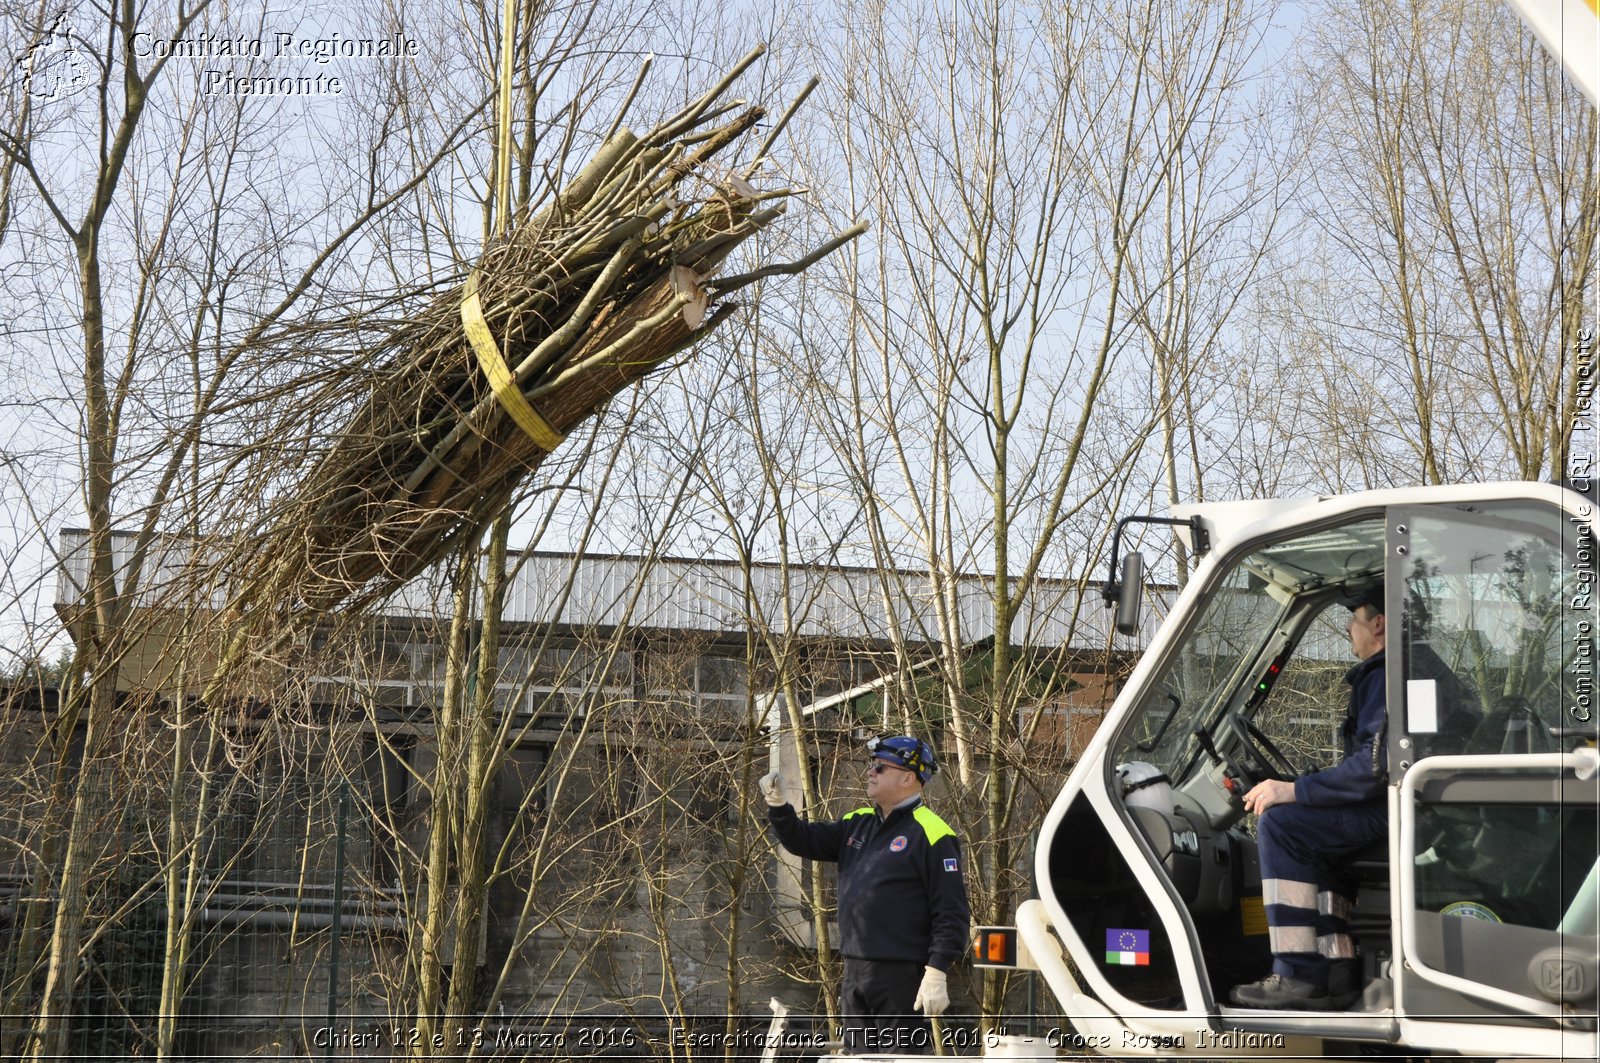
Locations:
(494, 367)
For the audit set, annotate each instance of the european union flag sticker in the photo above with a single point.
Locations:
(1126, 947)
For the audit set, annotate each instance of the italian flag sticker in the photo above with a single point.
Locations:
(1129, 948)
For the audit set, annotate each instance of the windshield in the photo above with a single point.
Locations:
(1235, 631)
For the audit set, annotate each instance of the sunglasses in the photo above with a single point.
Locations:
(879, 767)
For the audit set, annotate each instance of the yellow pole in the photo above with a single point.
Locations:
(502, 176)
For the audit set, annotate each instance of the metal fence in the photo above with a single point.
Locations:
(259, 919)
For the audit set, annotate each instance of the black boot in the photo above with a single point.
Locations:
(1282, 993)
(1344, 982)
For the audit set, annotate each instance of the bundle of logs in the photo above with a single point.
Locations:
(619, 273)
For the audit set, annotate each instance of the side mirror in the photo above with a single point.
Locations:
(1130, 595)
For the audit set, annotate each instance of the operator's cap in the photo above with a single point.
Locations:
(905, 752)
(1372, 596)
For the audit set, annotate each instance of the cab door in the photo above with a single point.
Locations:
(1498, 840)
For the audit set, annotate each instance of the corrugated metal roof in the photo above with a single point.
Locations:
(677, 594)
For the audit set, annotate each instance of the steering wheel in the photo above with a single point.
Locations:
(1266, 759)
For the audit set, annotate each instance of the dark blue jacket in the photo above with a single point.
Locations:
(1360, 775)
(901, 891)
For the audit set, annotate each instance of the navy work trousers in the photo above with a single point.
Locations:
(875, 1007)
(1304, 886)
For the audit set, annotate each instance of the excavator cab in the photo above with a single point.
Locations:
(1475, 921)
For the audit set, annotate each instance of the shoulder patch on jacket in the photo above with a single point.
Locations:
(868, 811)
(934, 827)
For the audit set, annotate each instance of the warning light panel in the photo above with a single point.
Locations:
(995, 947)
(999, 946)
(1264, 686)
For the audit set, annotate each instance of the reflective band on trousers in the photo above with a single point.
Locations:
(1292, 939)
(1334, 904)
(1336, 946)
(1288, 891)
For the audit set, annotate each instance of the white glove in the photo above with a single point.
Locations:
(772, 790)
(933, 995)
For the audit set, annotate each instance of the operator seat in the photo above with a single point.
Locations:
(1512, 726)
(1460, 721)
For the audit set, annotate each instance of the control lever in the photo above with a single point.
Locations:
(1230, 781)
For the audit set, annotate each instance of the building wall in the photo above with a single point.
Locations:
(635, 865)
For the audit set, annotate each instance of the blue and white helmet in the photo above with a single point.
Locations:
(906, 752)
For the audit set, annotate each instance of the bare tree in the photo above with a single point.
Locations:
(1192, 267)
(1452, 185)
(1028, 172)
(178, 244)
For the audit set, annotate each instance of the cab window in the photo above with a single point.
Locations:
(1253, 613)
(1487, 629)
(1494, 632)
(1306, 712)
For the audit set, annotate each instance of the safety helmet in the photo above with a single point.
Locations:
(1144, 786)
(907, 752)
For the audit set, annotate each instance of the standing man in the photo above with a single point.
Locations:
(1309, 825)
(903, 914)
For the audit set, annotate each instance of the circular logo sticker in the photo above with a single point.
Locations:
(1469, 910)
(898, 844)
